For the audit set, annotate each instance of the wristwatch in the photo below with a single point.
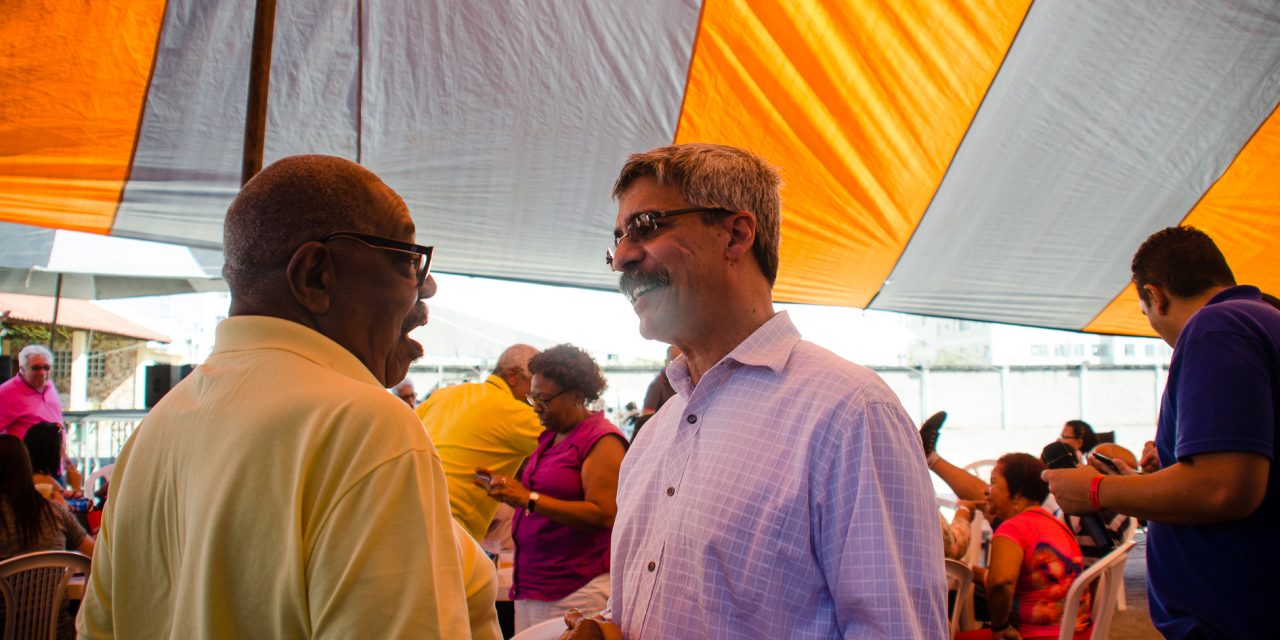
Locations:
(534, 496)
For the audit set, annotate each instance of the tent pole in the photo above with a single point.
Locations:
(53, 323)
(255, 122)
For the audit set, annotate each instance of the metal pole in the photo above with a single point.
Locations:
(255, 121)
(53, 324)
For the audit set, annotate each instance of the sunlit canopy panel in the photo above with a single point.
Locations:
(979, 159)
(862, 104)
(74, 78)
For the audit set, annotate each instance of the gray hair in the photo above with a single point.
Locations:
(515, 359)
(714, 175)
(32, 349)
(295, 200)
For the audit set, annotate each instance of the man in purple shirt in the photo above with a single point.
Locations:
(781, 493)
(1211, 490)
(30, 396)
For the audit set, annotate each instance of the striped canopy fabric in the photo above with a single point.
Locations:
(993, 160)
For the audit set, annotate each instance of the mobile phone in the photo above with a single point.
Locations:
(1107, 461)
(484, 477)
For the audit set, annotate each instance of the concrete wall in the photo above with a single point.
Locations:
(1109, 397)
(977, 399)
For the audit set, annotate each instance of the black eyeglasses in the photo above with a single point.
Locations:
(422, 255)
(542, 403)
(644, 225)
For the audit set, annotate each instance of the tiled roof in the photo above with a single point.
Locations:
(73, 314)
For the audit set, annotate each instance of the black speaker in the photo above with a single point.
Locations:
(161, 378)
(8, 367)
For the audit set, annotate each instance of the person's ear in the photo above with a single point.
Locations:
(1159, 299)
(310, 275)
(742, 235)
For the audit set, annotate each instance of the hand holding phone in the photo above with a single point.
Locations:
(1107, 461)
(483, 479)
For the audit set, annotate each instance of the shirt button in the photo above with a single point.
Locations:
(671, 491)
(652, 566)
(691, 419)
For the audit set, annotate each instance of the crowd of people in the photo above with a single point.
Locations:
(771, 489)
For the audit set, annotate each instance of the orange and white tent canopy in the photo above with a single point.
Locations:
(994, 160)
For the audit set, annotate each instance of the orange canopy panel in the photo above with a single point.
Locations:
(976, 159)
(75, 80)
(862, 104)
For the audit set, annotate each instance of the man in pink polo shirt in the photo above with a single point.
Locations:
(30, 396)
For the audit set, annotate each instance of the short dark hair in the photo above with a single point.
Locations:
(572, 368)
(1183, 261)
(292, 201)
(1084, 431)
(1021, 473)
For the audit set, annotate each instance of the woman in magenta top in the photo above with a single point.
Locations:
(565, 498)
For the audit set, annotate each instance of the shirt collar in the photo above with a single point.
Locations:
(498, 382)
(768, 346)
(244, 333)
(1239, 292)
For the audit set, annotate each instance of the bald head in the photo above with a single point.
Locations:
(513, 366)
(297, 199)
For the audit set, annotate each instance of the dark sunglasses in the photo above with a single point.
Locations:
(644, 225)
(422, 262)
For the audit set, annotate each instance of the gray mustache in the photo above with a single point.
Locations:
(630, 280)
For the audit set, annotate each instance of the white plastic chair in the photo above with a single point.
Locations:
(1109, 580)
(1121, 603)
(91, 485)
(981, 468)
(546, 630)
(959, 579)
(34, 588)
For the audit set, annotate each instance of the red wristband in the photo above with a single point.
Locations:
(1093, 492)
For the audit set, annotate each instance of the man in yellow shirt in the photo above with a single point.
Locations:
(280, 491)
(483, 424)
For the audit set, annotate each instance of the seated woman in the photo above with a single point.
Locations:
(47, 448)
(29, 522)
(1080, 435)
(566, 496)
(1034, 558)
(970, 489)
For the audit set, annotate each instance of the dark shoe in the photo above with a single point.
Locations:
(929, 431)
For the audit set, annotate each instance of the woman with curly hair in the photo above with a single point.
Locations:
(566, 495)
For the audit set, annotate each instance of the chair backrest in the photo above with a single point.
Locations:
(959, 578)
(546, 630)
(91, 485)
(1109, 580)
(981, 469)
(34, 588)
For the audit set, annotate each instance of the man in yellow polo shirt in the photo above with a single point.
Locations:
(483, 424)
(280, 491)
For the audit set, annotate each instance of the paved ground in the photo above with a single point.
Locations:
(1135, 623)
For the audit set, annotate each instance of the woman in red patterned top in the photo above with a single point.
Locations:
(1034, 557)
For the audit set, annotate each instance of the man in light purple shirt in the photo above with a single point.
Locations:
(782, 492)
(30, 396)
